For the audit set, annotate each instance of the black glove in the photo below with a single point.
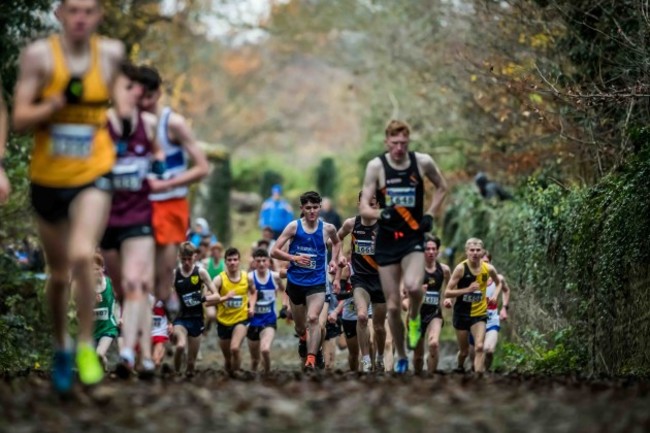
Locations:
(74, 91)
(388, 216)
(427, 223)
(203, 299)
(283, 312)
(158, 168)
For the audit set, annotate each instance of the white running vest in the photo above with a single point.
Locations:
(175, 159)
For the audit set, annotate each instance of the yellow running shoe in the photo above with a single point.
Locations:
(90, 369)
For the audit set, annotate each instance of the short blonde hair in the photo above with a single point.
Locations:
(474, 241)
(187, 249)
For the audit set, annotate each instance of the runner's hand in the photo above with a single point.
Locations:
(447, 303)
(157, 185)
(336, 286)
(388, 215)
(331, 317)
(301, 260)
(426, 224)
(251, 312)
(503, 315)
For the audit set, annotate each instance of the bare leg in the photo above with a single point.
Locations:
(238, 335)
(433, 341)
(390, 277)
(361, 301)
(389, 358)
(463, 348)
(491, 338)
(193, 344)
(266, 340)
(353, 353)
(254, 349)
(478, 332)
(314, 307)
(181, 343)
(165, 263)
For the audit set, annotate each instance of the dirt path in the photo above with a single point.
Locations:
(338, 401)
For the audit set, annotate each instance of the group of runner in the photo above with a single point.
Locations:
(109, 175)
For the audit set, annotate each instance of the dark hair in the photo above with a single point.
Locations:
(432, 238)
(187, 249)
(310, 197)
(130, 70)
(232, 251)
(260, 252)
(149, 78)
(263, 242)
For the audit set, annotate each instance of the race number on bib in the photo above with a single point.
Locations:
(263, 308)
(400, 196)
(126, 177)
(71, 141)
(432, 298)
(473, 297)
(234, 302)
(157, 321)
(365, 247)
(312, 262)
(101, 313)
(192, 299)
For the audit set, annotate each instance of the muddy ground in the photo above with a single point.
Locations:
(339, 401)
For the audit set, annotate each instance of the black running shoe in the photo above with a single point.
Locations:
(320, 360)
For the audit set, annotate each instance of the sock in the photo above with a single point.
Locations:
(366, 358)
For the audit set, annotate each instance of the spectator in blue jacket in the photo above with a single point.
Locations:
(276, 212)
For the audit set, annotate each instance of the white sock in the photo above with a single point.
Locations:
(366, 358)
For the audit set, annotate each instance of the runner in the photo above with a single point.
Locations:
(106, 312)
(263, 324)
(436, 275)
(161, 329)
(171, 214)
(65, 83)
(495, 316)
(307, 272)
(397, 180)
(189, 282)
(214, 264)
(367, 287)
(234, 314)
(128, 244)
(468, 284)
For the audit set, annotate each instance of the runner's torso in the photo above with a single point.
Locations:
(265, 306)
(312, 245)
(175, 158)
(234, 310)
(363, 248)
(472, 304)
(433, 280)
(74, 147)
(189, 290)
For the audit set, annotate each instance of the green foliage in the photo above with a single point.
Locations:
(327, 177)
(572, 256)
(218, 205)
(24, 323)
(19, 19)
(269, 178)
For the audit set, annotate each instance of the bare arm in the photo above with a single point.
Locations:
(215, 298)
(337, 259)
(370, 181)
(495, 277)
(207, 281)
(431, 171)
(505, 298)
(446, 275)
(277, 252)
(5, 186)
(252, 296)
(32, 75)
(181, 133)
(452, 290)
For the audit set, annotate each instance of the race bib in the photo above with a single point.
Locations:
(235, 302)
(473, 297)
(71, 140)
(263, 308)
(126, 177)
(101, 314)
(312, 262)
(351, 308)
(432, 298)
(400, 196)
(157, 321)
(492, 315)
(365, 247)
(192, 299)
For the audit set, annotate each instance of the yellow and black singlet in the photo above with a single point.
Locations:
(74, 148)
(235, 309)
(472, 304)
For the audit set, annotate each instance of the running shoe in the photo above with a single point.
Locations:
(379, 366)
(402, 366)
(310, 363)
(148, 370)
(62, 377)
(320, 360)
(90, 369)
(125, 367)
(414, 332)
(366, 366)
(302, 346)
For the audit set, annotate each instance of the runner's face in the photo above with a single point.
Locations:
(232, 263)
(149, 100)
(216, 253)
(430, 252)
(474, 253)
(79, 18)
(262, 263)
(398, 146)
(187, 262)
(311, 211)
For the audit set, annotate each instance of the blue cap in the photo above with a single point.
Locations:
(276, 189)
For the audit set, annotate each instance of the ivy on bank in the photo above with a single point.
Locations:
(578, 262)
